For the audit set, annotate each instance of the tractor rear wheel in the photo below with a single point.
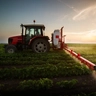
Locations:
(40, 46)
(10, 49)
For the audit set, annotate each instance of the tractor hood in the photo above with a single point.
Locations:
(19, 37)
(15, 39)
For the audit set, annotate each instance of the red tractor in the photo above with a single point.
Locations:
(32, 37)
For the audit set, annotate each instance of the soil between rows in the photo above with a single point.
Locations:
(86, 84)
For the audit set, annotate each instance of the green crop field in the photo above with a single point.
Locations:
(88, 51)
(55, 72)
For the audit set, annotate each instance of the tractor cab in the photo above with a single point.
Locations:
(32, 31)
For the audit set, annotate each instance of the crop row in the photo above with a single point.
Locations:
(22, 56)
(35, 57)
(37, 62)
(42, 71)
(31, 59)
(42, 83)
(46, 83)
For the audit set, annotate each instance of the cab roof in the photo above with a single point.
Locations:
(33, 25)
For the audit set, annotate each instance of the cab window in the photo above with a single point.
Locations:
(37, 31)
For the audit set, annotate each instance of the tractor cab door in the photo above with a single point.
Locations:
(32, 32)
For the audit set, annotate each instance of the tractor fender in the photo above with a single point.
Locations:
(38, 37)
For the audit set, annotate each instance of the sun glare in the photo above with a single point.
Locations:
(90, 36)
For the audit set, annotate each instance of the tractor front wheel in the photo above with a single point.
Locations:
(40, 46)
(10, 49)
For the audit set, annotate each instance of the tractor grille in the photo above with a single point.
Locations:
(10, 40)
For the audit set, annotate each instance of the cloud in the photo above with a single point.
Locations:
(62, 17)
(85, 13)
(68, 5)
(71, 7)
(91, 34)
(84, 37)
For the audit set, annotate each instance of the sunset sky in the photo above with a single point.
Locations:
(77, 16)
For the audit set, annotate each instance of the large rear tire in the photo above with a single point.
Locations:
(10, 49)
(40, 46)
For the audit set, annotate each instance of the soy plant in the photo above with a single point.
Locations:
(67, 84)
(40, 84)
